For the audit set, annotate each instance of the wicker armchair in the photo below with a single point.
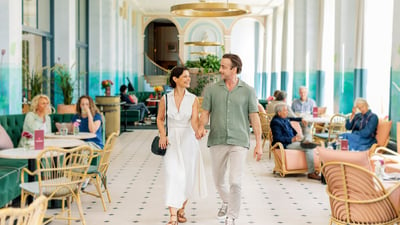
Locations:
(357, 196)
(32, 215)
(382, 135)
(59, 175)
(266, 134)
(98, 174)
(335, 127)
(292, 161)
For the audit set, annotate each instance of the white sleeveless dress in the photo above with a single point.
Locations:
(184, 170)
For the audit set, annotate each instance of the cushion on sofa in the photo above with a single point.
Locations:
(5, 141)
(13, 124)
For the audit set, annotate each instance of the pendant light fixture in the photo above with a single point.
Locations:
(210, 9)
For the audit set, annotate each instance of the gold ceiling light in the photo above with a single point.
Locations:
(202, 43)
(201, 53)
(210, 9)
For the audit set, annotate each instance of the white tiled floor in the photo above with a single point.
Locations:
(136, 184)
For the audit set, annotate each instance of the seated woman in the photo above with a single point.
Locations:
(90, 120)
(38, 118)
(132, 102)
(362, 125)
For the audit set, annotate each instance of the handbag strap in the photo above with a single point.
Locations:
(166, 114)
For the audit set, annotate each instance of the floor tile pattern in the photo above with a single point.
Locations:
(136, 184)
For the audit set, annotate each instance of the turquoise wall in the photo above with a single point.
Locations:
(343, 91)
(394, 113)
(299, 79)
(10, 90)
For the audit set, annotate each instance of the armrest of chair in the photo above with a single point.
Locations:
(30, 173)
(278, 146)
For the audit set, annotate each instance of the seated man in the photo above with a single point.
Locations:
(283, 132)
(132, 103)
(362, 125)
(304, 104)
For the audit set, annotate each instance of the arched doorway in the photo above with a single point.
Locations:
(161, 45)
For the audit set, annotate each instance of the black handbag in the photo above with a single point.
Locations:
(155, 148)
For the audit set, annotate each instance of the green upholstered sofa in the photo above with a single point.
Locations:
(10, 169)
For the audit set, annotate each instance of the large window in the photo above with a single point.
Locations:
(377, 51)
(82, 45)
(36, 48)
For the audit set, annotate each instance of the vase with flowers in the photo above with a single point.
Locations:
(158, 90)
(76, 125)
(106, 84)
(25, 139)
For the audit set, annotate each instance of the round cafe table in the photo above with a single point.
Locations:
(31, 155)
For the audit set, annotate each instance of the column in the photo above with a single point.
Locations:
(10, 57)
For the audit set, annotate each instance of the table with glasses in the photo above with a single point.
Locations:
(80, 135)
(31, 154)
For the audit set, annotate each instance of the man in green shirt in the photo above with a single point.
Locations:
(229, 104)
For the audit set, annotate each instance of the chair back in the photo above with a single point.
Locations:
(265, 121)
(337, 125)
(105, 154)
(361, 158)
(383, 132)
(266, 133)
(32, 215)
(357, 196)
(61, 172)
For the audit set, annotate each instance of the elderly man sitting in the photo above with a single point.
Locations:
(283, 132)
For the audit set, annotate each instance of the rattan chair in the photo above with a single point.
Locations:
(335, 127)
(98, 174)
(382, 135)
(357, 196)
(292, 161)
(32, 215)
(59, 175)
(266, 133)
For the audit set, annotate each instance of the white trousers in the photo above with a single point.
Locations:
(229, 190)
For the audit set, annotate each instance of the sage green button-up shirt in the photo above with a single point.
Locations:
(229, 113)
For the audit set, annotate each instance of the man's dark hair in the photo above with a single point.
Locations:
(236, 61)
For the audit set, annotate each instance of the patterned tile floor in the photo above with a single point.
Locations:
(136, 184)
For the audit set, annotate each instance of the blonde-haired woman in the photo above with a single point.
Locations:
(38, 118)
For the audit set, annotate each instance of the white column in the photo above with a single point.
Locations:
(10, 61)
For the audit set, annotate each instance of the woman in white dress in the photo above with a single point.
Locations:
(184, 171)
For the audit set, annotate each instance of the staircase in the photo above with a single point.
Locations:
(156, 80)
(154, 74)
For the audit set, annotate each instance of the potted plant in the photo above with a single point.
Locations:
(208, 72)
(32, 80)
(63, 79)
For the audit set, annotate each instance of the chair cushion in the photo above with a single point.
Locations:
(296, 159)
(5, 140)
(358, 158)
(383, 131)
